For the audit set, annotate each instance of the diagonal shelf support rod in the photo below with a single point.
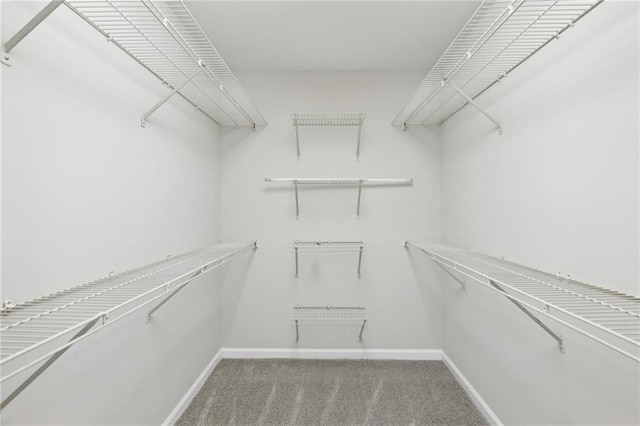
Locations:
(474, 104)
(24, 31)
(47, 364)
(530, 315)
(143, 120)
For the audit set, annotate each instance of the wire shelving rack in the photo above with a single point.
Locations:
(323, 119)
(329, 315)
(329, 247)
(164, 38)
(356, 182)
(38, 332)
(499, 37)
(609, 317)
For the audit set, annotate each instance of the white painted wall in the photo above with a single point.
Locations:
(403, 312)
(558, 191)
(86, 191)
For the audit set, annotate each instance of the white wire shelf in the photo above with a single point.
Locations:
(321, 119)
(499, 37)
(359, 182)
(53, 323)
(164, 38)
(611, 318)
(328, 247)
(329, 315)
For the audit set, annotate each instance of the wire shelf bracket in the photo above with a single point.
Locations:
(329, 315)
(608, 317)
(357, 182)
(499, 37)
(163, 37)
(315, 119)
(42, 325)
(328, 246)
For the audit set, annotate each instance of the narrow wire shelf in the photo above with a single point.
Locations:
(164, 38)
(359, 182)
(315, 119)
(329, 315)
(328, 247)
(609, 317)
(499, 37)
(54, 323)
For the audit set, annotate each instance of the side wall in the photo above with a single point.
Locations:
(403, 312)
(86, 191)
(558, 191)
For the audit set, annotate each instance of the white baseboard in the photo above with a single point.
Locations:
(393, 354)
(396, 354)
(473, 394)
(184, 402)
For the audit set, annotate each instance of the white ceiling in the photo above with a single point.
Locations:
(331, 35)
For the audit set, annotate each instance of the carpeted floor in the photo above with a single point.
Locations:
(331, 392)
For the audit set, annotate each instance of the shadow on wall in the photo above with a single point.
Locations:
(233, 278)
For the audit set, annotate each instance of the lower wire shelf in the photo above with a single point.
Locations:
(41, 330)
(610, 318)
(329, 315)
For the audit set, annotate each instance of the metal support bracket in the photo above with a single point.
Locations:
(359, 197)
(358, 145)
(296, 250)
(359, 261)
(175, 291)
(530, 315)
(362, 330)
(46, 365)
(459, 280)
(297, 141)
(24, 31)
(297, 332)
(295, 190)
(143, 120)
(475, 105)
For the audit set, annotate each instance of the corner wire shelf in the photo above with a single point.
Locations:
(359, 182)
(499, 37)
(315, 119)
(54, 323)
(329, 315)
(165, 39)
(329, 247)
(610, 318)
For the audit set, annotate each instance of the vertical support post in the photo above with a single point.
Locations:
(297, 332)
(475, 105)
(297, 140)
(359, 261)
(295, 189)
(143, 120)
(359, 196)
(362, 330)
(358, 145)
(24, 31)
(296, 250)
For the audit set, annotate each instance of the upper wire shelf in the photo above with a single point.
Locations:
(499, 37)
(328, 247)
(321, 119)
(606, 316)
(46, 327)
(164, 37)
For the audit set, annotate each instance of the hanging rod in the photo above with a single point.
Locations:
(328, 246)
(359, 182)
(499, 37)
(31, 327)
(164, 38)
(322, 119)
(588, 307)
(329, 315)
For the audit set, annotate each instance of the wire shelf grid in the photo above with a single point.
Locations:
(322, 119)
(164, 37)
(329, 315)
(609, 317)
(498, 38)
